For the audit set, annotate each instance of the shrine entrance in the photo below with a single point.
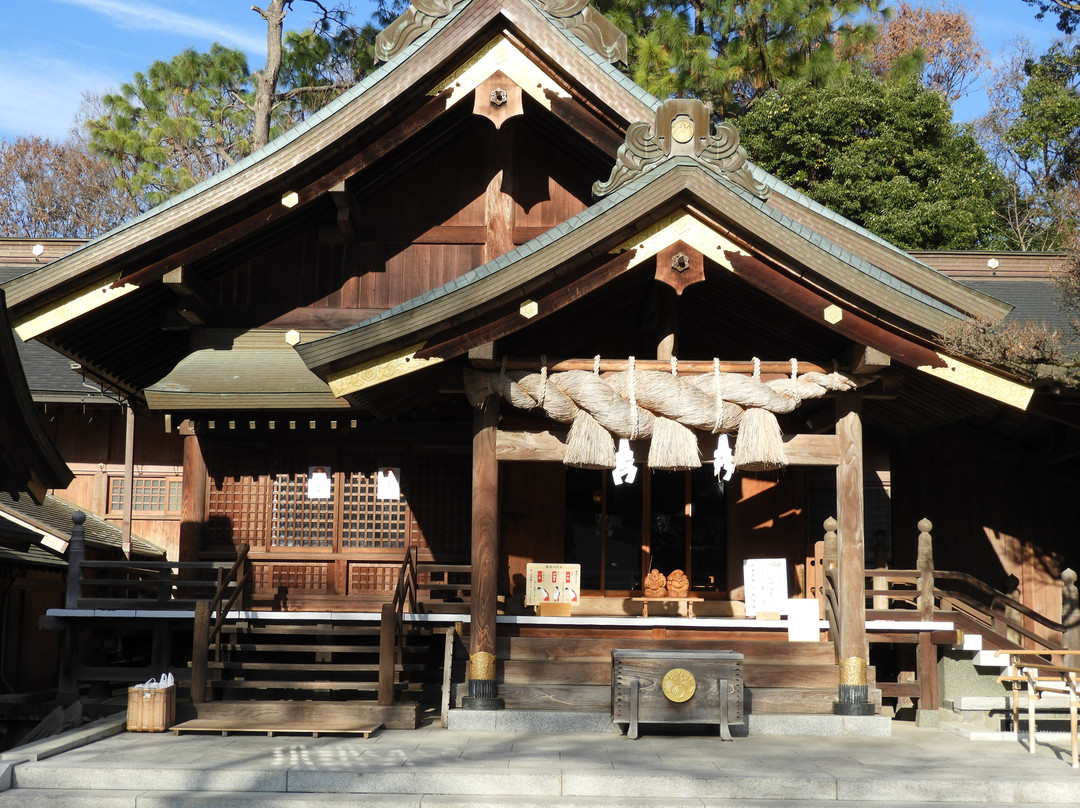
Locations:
(667, 520)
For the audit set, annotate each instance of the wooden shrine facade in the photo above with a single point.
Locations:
(495, 198)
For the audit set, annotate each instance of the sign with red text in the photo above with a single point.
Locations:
(552, 583)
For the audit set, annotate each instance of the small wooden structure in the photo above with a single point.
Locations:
(676, 687)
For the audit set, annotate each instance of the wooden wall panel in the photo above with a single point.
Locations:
(766, 519)
(420, 225)
(531, 520)
(994, 514)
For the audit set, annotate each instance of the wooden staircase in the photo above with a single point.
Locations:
(574, 673)
(323, 661)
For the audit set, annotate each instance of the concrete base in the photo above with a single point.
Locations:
(872, 726)
(868, 726)
(72, 739)
(529, 721)
(928, 719)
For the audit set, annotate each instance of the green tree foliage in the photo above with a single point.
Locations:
(1033, 133)
(885, 155)
(178, 122)
(728, 52)
(1067, 12)
(198, 113)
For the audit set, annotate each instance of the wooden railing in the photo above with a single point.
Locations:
(961, 598)
(207, 634)
(127, 584)
(391, 626)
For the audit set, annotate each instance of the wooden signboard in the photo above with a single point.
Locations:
(552, 583)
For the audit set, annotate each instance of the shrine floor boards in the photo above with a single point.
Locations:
(432, 766)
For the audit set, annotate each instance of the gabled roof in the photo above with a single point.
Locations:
(48, 526)
(676, 180)
(29, 462)
(307, 160)
(819, 258)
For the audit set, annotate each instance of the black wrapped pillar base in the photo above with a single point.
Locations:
(853, 700)
(483, 695)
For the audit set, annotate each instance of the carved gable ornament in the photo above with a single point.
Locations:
(588, 25)
(683, 128)
(576, 16)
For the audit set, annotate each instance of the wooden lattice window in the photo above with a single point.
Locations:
(239, 511)
(368, 522)
(297, 521)
(260, 495)
(153, 495)
(372, 579)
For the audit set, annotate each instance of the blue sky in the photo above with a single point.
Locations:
(57, 49)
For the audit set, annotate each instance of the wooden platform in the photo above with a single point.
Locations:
(298, 717)
(270, 728)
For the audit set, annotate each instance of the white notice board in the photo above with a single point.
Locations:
(552, 583)
(765, 585)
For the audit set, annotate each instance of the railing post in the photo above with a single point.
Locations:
(1070, 611)
(925, 565)
(76, 553)
(387, 653)
(200, 649)
(926, 652)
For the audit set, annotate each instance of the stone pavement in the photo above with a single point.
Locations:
(471, 769)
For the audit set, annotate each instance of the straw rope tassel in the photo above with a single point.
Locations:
(640, 404)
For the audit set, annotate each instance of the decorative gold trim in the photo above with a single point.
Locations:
(853, 671)
(482, 665)
(679, 227)
(73, 306)
(979, 381)
(678, 685)
(377, 371)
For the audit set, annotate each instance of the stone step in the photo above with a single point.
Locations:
(76, 798)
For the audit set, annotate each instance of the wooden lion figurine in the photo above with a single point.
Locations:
(678, 585)
(655, 585)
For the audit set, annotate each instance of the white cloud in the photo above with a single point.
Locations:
(40, 95)
(148, 16)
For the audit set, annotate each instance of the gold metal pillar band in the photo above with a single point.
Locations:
(853, 671)
(482, 665)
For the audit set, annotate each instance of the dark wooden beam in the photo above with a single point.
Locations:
(813, 305)
(508, 324)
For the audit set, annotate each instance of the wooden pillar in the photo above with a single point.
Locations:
(853, 695)
(193, 501)
(483, 686)
(1070, 611)
(70, 645)
(129, 478)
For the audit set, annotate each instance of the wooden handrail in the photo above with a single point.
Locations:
(981, 602)
(204, 635)
(832, 610)
(391, 626)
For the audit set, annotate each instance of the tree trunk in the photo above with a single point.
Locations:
(267, 79)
